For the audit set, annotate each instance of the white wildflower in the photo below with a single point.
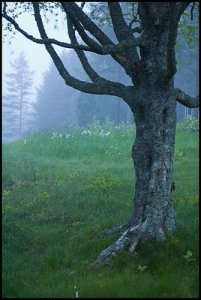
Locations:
(76, 292)
(102, 132)
(25, 141)
(60, 135)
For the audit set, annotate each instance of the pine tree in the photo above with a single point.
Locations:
(102, 108)
(56, 103)
(17, 107)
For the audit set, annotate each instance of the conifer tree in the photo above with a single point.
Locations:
(17, 106)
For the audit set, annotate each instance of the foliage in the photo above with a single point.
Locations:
(189, 25)
(142, 268)
(188, 256)
(103, 184)
(187, 45)
(191, 125)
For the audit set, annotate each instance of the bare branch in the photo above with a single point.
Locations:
(84, 61)
(83, 4)
(76, 22)
(47, 40)
(192, 8)
(88, 24)
(103, 50)
(186, 100)
(137, 29)
(124, 32)
(133, 21)
(4, 7)
(101, 88)
(121, 29)
(181, 7)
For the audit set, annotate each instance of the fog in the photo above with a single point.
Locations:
(72, 108)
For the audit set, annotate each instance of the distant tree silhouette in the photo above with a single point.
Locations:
(17, 107)
(56, 103)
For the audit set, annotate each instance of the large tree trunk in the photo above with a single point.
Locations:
(153, 151)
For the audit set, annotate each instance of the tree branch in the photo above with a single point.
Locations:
(181, 7)
(83, 59)
(186, 100)
(104, 50)
(47, 40)
(100, 36)
(101, 88)
(88, 24)
(122, 30)
(151, 12)
(76, 22)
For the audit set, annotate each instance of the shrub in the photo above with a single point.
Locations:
(191, 125)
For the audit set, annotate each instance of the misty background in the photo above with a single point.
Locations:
(35, 97)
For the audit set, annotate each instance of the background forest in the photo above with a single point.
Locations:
(58, 106)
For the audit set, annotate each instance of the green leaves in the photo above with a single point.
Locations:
(45, 195)
(188, 256)
(6, 194)
(142, 268)
(101, 184)
(189, 29)
(191, 125)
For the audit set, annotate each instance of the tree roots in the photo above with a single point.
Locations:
(130, 237)
(118, 229)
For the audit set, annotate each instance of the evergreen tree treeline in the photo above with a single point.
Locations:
(18, 113)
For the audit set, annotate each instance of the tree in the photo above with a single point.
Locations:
(92, 107)
(147, 55)
(16, 105)
(56, 103)
(72, 107)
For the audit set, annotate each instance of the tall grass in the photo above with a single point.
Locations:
(62, 190)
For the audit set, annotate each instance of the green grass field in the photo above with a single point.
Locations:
(62, 190)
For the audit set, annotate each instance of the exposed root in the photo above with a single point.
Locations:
(112, 250)
(130, 237)
(132, 247)
(117, 229)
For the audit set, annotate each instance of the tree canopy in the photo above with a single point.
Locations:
(127, 22)
(145, 48)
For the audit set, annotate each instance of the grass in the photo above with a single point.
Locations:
(61, 192)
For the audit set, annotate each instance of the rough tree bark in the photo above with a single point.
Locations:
(150, 62)
(154, 112)
(153, 214)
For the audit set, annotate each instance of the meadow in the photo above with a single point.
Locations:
(61, 190)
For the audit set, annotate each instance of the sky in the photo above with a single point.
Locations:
(36, 54)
